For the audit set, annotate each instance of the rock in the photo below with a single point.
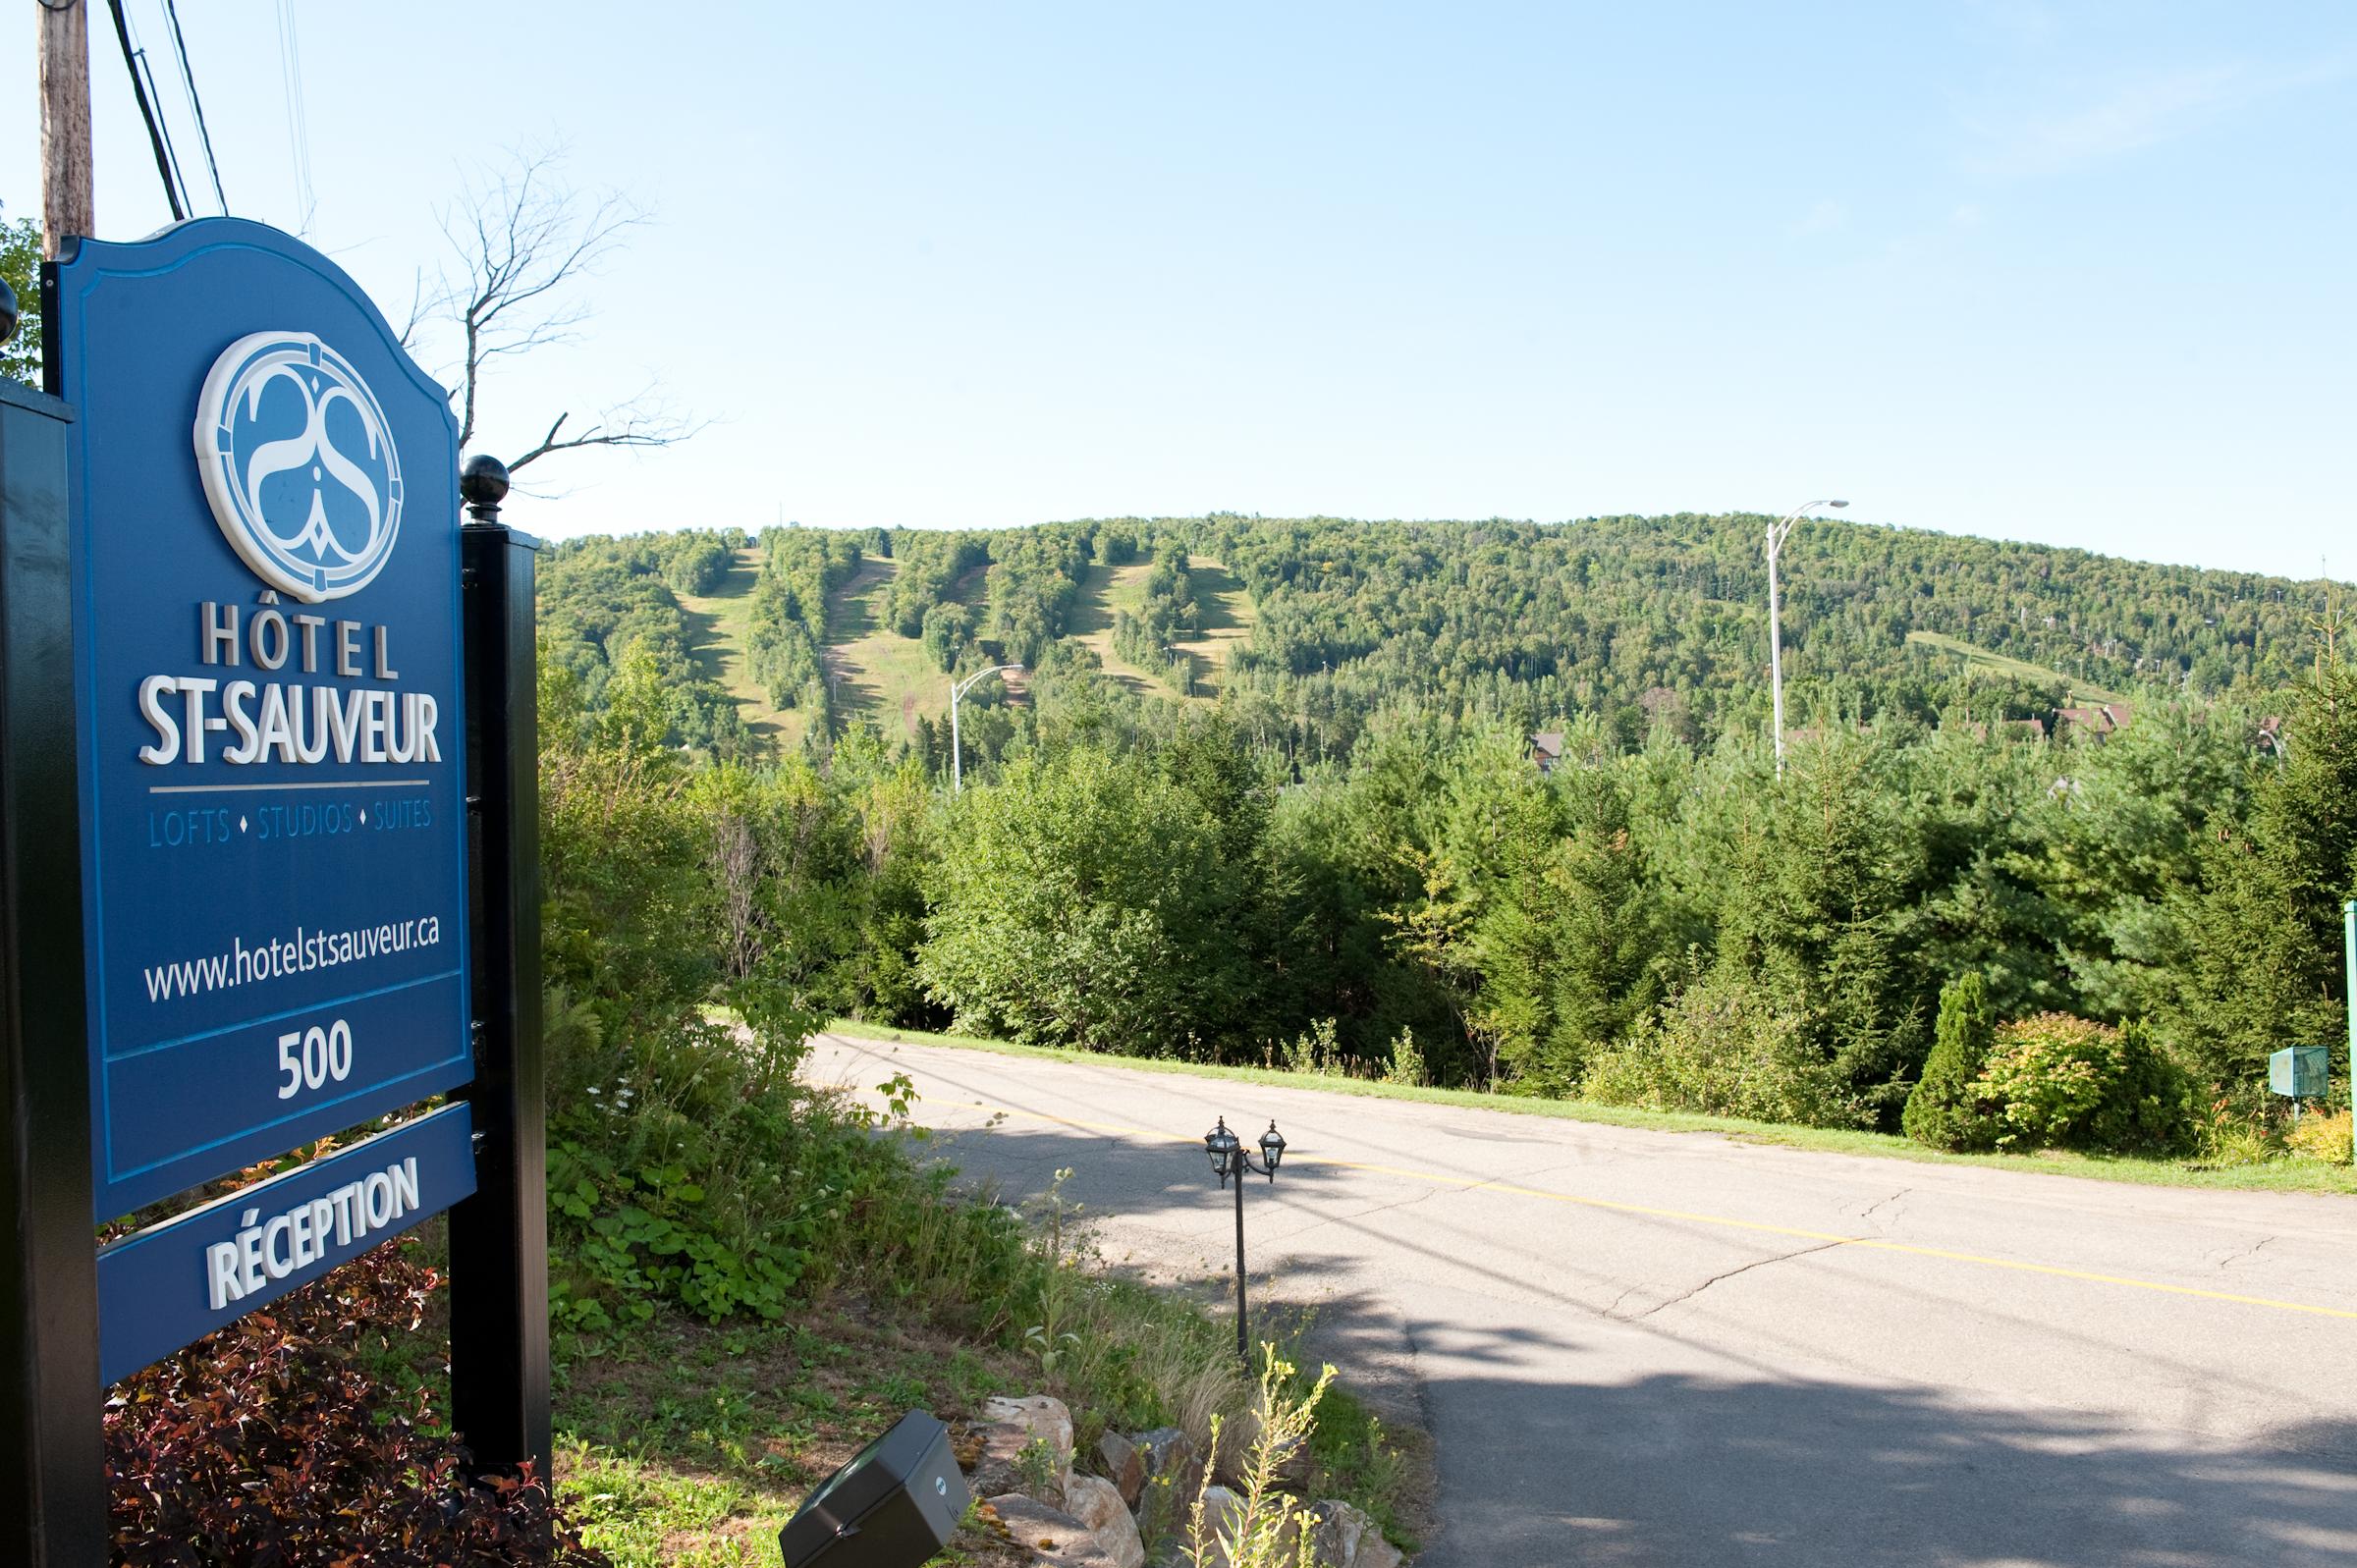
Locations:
(1009, 1427)
(1049, 1535)
(1168, 1451)
(1222, 1509)
(1346, 1537)
(1124, 1465)
(1097, 1503)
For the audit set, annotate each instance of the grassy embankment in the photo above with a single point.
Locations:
(1999, 663)
(2290, 1174)
(719, 622)
(685, 1442)
(1227, 620)
(878, 674)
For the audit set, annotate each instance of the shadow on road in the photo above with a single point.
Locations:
(1680, 1469)
(1547, 1460)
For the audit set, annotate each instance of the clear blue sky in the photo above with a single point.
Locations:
(2072, 273)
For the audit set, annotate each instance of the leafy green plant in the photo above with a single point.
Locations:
(2322, 1135)
(1722, 1048)
(1061, 1247)
(1035, 1462)
(1315, 1050)
(1406, 1064)
(1268, 1529)
(2071, 1083)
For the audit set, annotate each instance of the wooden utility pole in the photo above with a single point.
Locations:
(64, 122)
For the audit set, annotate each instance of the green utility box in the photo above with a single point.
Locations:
(2298, 1071)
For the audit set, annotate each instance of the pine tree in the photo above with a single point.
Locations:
(1944, 1111)
(2263, 963)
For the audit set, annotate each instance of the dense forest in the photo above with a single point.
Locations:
(2071, 830)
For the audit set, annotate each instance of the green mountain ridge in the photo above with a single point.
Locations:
(1309, 627)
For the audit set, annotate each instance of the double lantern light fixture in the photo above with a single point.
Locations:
(1230, 1157)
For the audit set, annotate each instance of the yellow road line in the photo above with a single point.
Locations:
(1719, 1221)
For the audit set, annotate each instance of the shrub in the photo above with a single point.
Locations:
(1723, 1048)
(275, 1440)
(2069, 1083)
(2324, 1136)
(2148, 1109)
(2049, 1075)
(1945, 1110)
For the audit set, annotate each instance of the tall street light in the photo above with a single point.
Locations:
(1777, 532)
(1230, 1157)
(958, 690)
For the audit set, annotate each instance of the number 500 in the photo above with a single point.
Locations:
(324, 1053)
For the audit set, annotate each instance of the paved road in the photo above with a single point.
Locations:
(1668, 1349)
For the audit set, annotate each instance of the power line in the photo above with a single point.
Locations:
(180, 45)
(146, 68)
(298, 122)
(155, 129)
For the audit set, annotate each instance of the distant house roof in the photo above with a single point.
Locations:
(1547, 748)
(2097, 719)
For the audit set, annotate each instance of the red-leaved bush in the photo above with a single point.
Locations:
(270, 1444)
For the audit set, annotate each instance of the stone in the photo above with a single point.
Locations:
(1168, 1451)
(1050, 1534)
(1346, 1538)
(1222, 1510)
(1097, 1503)
(1123, 1466)
(1008, 1427)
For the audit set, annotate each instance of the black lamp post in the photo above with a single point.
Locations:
(1230, 1157)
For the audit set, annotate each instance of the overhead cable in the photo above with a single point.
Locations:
(155, 129)
(188, 76)
(298, 122)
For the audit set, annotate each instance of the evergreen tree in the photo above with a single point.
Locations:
(2263, 965)
(1944, 1111)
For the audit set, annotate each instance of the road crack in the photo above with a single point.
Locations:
(1867, 1212)
(2245, 1254)
(1717, 1278)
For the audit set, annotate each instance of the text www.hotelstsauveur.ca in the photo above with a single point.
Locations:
(273, 958)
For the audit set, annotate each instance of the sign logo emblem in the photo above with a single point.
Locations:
(299, 464)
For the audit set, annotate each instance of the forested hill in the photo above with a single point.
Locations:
(1311, 625)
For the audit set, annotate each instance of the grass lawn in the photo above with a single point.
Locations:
(684, 1444)
(2290, 1174)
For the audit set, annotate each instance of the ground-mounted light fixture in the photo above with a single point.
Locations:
(1230, 1157)
(894, 1504)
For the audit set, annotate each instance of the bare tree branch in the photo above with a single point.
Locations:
(526, 243)
(646, 420)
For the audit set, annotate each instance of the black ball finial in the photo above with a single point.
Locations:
(483, 483)
(8, 311)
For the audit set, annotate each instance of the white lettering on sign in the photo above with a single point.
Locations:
(271, 720)
(326, 1054)
(264, 1251)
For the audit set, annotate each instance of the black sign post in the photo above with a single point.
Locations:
(499, 1237)
(179, 647)
(53, 1500)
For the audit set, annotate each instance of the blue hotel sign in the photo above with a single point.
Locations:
(263, 493)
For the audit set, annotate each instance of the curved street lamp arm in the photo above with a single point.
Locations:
(1782, 526)
(960, 688)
